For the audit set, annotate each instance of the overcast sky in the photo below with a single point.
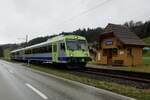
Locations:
(47, 17)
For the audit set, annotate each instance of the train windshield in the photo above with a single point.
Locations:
(76, 45)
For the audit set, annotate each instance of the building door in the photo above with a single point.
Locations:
(109, 56)
(54, 53)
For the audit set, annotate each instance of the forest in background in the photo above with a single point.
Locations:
(139, 28)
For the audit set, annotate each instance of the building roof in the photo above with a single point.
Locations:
(123, 34)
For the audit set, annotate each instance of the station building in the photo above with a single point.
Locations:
(119, 46)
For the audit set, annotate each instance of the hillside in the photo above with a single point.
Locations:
(147, 40)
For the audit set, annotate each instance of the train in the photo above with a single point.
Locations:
(70, 50)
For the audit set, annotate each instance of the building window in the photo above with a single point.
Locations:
(114, 52)
(129, 51)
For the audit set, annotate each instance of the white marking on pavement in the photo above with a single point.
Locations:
(37, 91)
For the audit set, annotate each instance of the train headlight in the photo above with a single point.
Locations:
(71, 55)
(76, 37)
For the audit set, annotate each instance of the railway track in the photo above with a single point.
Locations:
(135, 79)
(126, 75)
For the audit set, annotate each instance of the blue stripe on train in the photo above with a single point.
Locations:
(46, 58)
(39, 58)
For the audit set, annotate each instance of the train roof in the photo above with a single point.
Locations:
(54, 39)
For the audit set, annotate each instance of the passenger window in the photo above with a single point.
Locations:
(28, 51)
(50, 48)
(62, 46)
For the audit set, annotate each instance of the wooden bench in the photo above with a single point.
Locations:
(117, 62)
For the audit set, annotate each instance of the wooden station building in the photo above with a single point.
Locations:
(119, 46)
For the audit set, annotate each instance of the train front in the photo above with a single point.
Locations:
(77, 51)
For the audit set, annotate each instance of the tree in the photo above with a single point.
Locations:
(139, 28)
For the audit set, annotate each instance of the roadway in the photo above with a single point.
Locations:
(18, 82)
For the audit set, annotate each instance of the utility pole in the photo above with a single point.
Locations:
(26, 38)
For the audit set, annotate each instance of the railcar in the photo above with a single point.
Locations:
(71, 50)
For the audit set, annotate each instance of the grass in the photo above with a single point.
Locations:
(147, 40)
(146, 54)
(146, 61)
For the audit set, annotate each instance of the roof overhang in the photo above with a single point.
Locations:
(110, 34)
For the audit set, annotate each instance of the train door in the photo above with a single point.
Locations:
(61, 52)
(54, 52)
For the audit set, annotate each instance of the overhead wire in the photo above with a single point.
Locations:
(84, 12)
